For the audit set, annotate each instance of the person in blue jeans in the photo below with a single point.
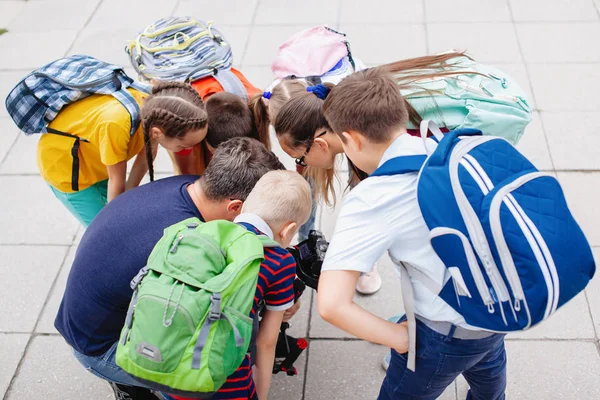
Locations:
(381, 214)
(119, 240)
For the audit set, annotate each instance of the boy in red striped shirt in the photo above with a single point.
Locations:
(277, 206)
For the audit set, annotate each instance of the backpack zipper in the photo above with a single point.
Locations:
(472, 222)
(83, 86)
(534, 239)
(161, 301)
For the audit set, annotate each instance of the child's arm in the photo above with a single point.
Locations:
(335, 301)
(116, 179)
(138, 170)
(265, 351)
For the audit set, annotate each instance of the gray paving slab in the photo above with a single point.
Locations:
(8, 80)
(556, 85)
(572, 321)
(41, 16)
(285, 387)
(31, 270)
(582, 190)
(22, 157)
(381, 11)
(107, 44)
(238, 39)
(385, 303)
(9, 134)
(299, 323)
(493, 43)
(29, 50)
(534, 146)
(578, 149)
(48, 314)
(265, 40)
(557, 10)
(376, 44)
(219, 11)
(552, 370)
(10, 9)
(467, 11)
(134, 14)
(35, 216)
(562, 41)
(347, 370)
(260, 76)
(278, 12)
(12, 347)
(593, 296)
(50, 371)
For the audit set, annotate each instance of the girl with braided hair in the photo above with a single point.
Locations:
(230, 115)
(173, 116)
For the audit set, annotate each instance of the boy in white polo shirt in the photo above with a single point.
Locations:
(382, 214)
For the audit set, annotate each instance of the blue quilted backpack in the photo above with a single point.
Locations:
(38, 98)
(514, 253)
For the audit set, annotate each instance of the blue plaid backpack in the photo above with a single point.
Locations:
(38, 98)
(514, 253)
(184, 49)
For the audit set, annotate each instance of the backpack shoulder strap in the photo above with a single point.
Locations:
(267, 241)
(400, 165)
(231, 83)
(132, 107)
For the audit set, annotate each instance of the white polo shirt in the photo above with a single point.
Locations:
(382, 214)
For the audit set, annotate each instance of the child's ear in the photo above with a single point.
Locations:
(287, 232)
(322, 143)
(353, 140)
(235, 207)
(156, 132)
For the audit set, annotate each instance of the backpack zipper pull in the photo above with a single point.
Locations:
(176, 243)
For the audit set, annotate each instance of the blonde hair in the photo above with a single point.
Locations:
(280, 197)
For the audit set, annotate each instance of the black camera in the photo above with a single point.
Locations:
(309, 255)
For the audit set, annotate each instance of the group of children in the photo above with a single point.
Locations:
(225, 139)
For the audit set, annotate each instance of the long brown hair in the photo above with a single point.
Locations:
(260, 115)
(302, 114)
(175, 108)
(407, 72)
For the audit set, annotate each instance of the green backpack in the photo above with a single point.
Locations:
(477, 96)
(188, 326)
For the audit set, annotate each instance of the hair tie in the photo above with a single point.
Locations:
(320, 90)
(267, 95)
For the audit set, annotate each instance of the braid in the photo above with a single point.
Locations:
(178, 89)
(148, 146)
(176, 109)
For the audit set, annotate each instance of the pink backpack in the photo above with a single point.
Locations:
(311, 52)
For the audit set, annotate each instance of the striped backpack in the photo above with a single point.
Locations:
(513, 252)
(184, 49)
(38, 98)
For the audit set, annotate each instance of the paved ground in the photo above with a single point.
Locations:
(550, 48)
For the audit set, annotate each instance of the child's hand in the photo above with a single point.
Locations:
(290, 312)
(401, 341)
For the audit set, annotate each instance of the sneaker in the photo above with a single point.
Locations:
(124, 392)
(369, 283)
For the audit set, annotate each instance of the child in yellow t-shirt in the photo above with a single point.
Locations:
(173, 116)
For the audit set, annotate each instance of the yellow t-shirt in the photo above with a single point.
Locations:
(105, 123)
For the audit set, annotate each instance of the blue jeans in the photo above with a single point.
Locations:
(440, 359)
(105, 367)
